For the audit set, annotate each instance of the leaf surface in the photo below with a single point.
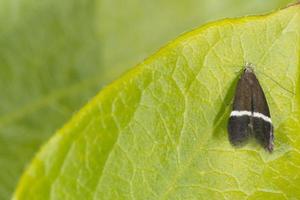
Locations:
(55, 55)
(159, 132)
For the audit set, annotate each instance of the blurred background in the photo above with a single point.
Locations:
(56, 55)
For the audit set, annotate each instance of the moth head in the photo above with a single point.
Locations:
(249, 67)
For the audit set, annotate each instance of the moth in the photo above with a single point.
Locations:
(250, 116)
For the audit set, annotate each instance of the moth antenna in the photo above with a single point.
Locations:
(276, 82)
(253, 68)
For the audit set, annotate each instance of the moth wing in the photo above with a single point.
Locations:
(239, 128)
(262, 125)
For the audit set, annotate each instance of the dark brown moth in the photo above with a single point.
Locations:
(250, 116)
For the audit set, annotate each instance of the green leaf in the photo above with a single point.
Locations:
(54, 55)
(159, 132)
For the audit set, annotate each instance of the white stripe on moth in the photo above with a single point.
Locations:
(262, 116)
(236, 113)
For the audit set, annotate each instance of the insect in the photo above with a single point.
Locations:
(250, 115)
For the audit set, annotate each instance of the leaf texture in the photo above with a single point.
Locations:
(159, 132)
